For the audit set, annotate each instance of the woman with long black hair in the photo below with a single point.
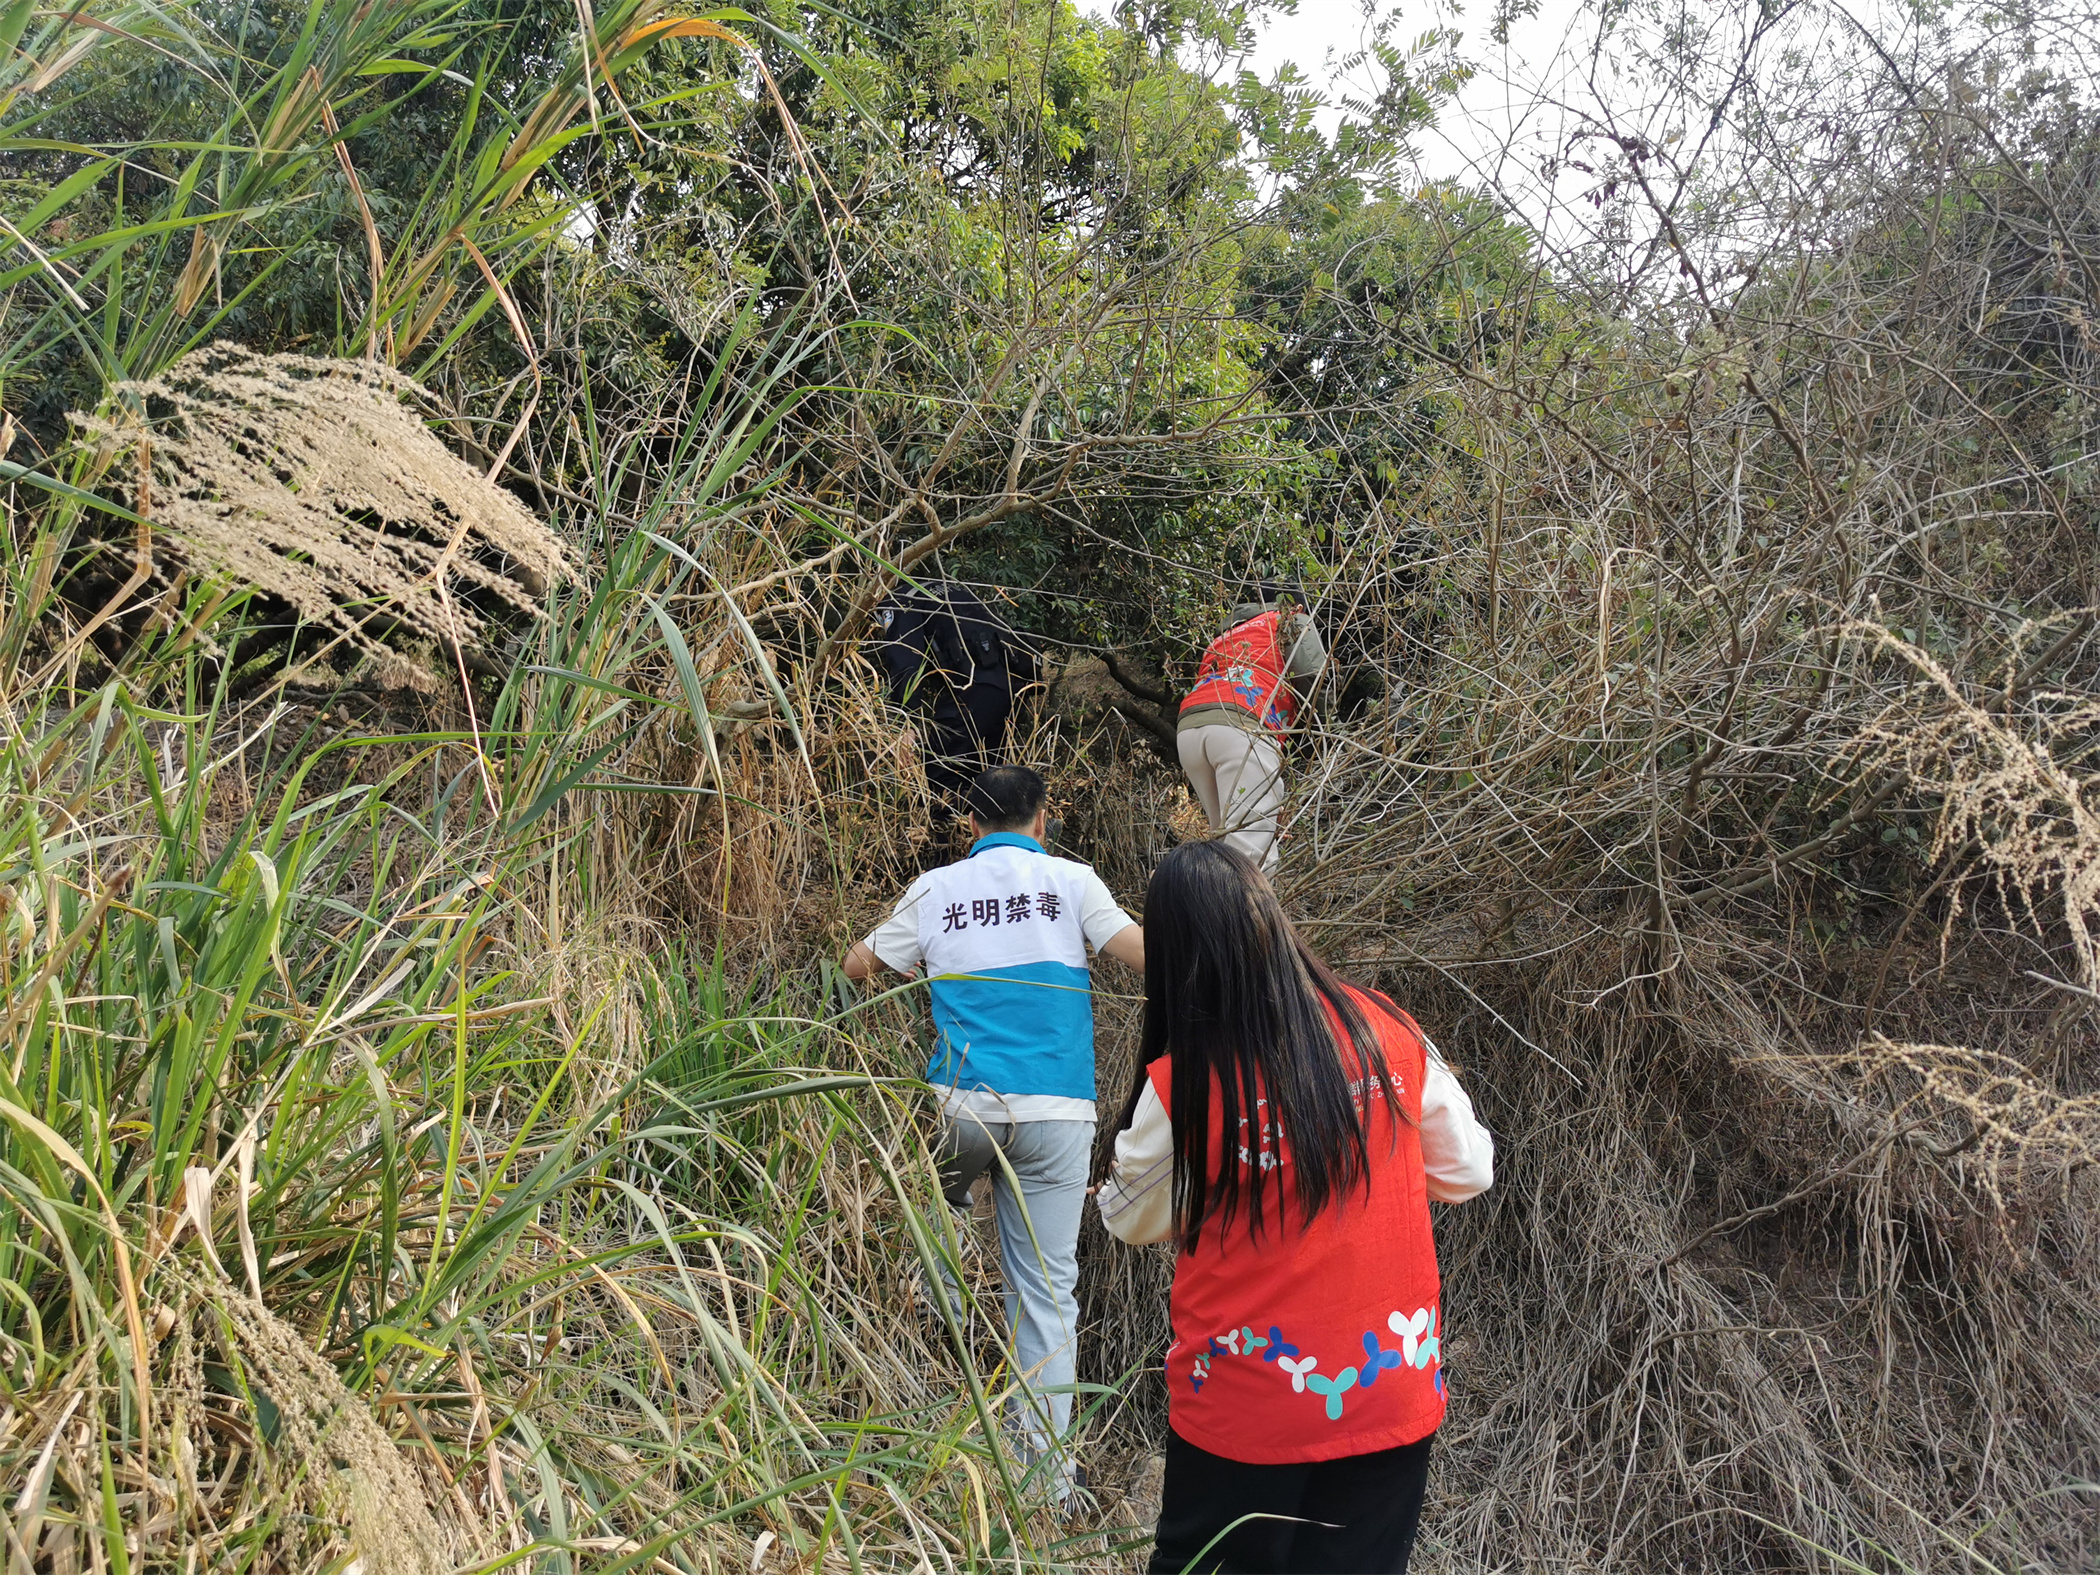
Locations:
(1287, 1131)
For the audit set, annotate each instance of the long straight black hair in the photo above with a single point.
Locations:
(1235, 998)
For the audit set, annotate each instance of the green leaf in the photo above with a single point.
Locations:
(13, 20)
(61, 194)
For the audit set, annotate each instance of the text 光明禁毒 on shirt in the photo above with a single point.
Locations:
(1002, 936)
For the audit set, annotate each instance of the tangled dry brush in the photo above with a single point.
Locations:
(1731, 817)
(1725, 817)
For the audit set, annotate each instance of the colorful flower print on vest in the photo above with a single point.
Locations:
(1333, 1388)
(1418, 1349)
(1418, 1338)
(1242, 1341)
(1247, 668)
(1300, 1368)
(1376, 1358)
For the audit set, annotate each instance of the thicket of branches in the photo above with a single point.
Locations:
(1730, 808)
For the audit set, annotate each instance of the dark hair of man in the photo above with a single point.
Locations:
(1235, 998)
(1006, 798)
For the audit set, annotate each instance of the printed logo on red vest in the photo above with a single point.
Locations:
(1245, 668)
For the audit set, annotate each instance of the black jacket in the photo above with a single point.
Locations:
(955, 663)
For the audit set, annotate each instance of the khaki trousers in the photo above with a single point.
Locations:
(1238, 778)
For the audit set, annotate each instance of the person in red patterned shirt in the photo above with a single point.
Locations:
(1287, 1132)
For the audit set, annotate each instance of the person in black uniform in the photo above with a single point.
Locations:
(956, 666)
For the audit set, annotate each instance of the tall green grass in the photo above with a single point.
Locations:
(379, 1193)
(375, 1191)
(610, 1251)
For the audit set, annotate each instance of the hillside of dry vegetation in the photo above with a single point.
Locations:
(452, 459)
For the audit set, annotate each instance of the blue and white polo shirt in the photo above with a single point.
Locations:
(1002, 936)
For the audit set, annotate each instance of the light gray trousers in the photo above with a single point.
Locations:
(1238, 778)
(1039, 1191)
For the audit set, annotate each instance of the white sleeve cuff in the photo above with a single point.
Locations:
(1458, 1153)
(1137, 1200)
(1101, 917)
(896, 939)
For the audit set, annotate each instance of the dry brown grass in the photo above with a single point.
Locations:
(1791, 1243)
(1729, 822)
(316, 482)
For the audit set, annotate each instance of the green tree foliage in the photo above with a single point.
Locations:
(1366, 307)
(1049, 274)
(1029, 241)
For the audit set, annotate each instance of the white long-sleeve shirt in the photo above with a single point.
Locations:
(1137, 1200)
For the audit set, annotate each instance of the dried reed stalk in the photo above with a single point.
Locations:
(316, 482)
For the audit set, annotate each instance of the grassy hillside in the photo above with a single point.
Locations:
(453, 450)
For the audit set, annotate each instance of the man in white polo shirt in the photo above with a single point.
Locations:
(1003, 937)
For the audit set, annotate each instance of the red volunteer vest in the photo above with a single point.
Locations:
(1322, 1340)
(1244, 668)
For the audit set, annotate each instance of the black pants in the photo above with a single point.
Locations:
(1353, 1516)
